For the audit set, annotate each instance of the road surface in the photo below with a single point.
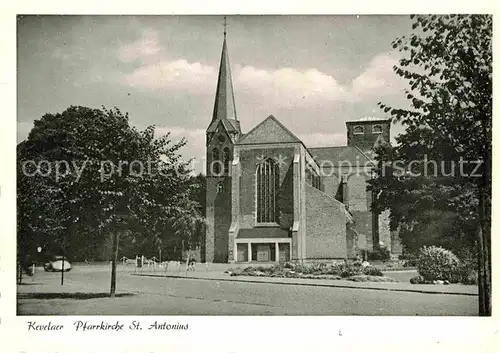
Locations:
(85, 293)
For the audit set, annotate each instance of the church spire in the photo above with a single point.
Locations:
(224, 107)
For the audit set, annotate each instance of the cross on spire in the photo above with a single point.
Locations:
(225, 27)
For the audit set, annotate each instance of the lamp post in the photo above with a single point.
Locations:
(63, 256)
(38, 250)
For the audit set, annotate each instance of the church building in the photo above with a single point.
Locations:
(271, 198)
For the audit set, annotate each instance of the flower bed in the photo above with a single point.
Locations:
(399, 265)
(367, 278)
(334, 271)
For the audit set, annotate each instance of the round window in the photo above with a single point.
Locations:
(221, 138)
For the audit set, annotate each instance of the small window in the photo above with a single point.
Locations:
(215, 154)
(358, 130)
(227, 159)
(377, 129)
(220, 188)
(216, 164)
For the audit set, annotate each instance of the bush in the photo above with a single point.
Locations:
(348, 272)
(372, 271)
(465, 274)
(417, 280)
(380, 253)
(471, 278)
(436, 263)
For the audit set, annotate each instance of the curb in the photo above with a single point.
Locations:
(311, 284)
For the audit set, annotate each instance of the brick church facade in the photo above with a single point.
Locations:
(271, 198)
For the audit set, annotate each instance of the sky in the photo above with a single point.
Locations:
(313, 73)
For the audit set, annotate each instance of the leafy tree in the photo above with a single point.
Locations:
(447, 61)
(199, 191)
(107, 178)
(441, 228)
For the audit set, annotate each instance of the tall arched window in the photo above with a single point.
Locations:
(227, 159)
(267, 180)
(215, 161)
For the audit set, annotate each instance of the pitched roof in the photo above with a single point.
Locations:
(230, 125)
(270, 130)
(351, 154)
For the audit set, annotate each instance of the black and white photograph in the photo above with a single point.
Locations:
(253, 165)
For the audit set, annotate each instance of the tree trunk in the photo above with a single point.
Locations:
(113, 264)
(21, 259)
(484, 258)
(484, 239)
(21, 272)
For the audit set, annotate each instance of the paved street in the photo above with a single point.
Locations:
(84, 293)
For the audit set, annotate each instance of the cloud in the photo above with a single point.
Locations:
(273, 88)
(289, 86)
(147, 46)
(159, 72)
(284, 87)
(175, 75)
(378, 78)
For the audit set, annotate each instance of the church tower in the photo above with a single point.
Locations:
(221, 135)
(368, 132)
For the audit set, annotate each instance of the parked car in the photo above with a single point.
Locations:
(56, 264)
